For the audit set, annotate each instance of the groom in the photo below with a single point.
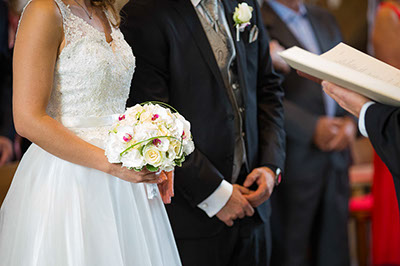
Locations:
(189, 55)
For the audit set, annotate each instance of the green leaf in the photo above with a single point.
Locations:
(151, 168)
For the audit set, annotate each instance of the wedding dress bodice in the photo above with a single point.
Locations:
(92, 77)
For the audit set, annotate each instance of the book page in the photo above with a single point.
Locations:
(350, 69)
(354, 59)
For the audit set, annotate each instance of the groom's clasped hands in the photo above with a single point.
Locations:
(243, 200)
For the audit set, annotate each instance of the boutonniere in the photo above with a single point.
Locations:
(242, 17)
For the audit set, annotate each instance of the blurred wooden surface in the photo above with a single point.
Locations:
(6, 176)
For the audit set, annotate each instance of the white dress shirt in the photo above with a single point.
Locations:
(217, 200)
(361, 119)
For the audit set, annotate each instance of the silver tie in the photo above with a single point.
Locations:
(211, 9)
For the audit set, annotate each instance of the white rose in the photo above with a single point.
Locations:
(146, 117)
(153, 156)
(188, 148)
(113, 148)
(145, 131)
(174, 149)
(133, 159)
(242, 13)
(163, 145)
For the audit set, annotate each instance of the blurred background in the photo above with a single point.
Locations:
(373, 237)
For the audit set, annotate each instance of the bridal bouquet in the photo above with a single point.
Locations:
(150, 135)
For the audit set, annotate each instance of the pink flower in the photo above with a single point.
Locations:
(127, 137)
(121, 117)
(156, 142)
(155, 117)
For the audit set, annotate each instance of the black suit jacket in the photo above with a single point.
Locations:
(175, 64)
(304, 102)
(382, 123)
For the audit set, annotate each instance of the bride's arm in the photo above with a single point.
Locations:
(36, 49)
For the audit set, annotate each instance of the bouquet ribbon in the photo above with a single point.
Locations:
(91, 121)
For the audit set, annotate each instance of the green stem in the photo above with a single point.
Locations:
(160, 103)
(147, 140)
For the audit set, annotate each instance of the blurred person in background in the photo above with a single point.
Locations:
(6, 127)
(310, 208)
(385, 217)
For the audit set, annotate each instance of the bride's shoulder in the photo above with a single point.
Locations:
(42, 11)
(41, 16)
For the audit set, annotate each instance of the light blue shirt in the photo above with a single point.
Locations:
(301, 28)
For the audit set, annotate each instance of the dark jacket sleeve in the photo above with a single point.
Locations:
(383, 127)
(198, 178)
(269, 101)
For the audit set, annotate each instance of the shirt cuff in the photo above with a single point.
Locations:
(361, 119)
(217, 200)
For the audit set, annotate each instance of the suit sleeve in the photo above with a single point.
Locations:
(198, 177)
(383, 127)
(270, 104)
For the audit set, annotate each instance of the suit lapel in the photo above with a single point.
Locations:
(189, 15)
(229, 8)
(276, 27)
(319, 33)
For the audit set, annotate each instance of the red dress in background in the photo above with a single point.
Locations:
(385, 218)
(385, 214)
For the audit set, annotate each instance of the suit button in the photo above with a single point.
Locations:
(229, 158)
(231, 117)
(243, 134)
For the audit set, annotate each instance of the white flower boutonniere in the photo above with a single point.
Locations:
(242, 17)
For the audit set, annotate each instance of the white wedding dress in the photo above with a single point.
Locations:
(58, 213)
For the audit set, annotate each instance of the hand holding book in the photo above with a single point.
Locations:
(351, 69)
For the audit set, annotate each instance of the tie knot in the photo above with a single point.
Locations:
(211, 7)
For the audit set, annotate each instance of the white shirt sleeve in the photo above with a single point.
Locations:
(217, 200)
(361, 119)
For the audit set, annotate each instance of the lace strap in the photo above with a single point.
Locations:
(63, 9)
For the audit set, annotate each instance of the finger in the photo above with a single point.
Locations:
(248, 210)
(259, 194)
(307, 76)
(163, 176)
(347, 99)
(243, 190)
(241, 214)
(339, 141)
(229, 223)
(251, 178)
(170, 176)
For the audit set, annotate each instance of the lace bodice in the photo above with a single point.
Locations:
(92, 77)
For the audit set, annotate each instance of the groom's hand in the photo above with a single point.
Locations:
(236, 207)
(265, 179)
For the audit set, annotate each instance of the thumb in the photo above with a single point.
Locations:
(251, 178)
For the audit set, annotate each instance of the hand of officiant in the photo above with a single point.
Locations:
(236, 207)
(264, 178)
(347, 99)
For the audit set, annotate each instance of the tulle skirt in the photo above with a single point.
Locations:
(58, 213)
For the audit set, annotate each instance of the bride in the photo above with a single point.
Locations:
(67, 204)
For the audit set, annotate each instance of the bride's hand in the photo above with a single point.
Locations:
(144, 176)
(166, 188)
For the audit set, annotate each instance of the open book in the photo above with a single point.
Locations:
(349, 68)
